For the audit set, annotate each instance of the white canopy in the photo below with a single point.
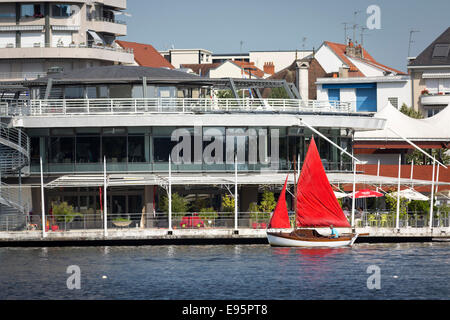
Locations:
(430, 129)
(218, 179)
(410, 194)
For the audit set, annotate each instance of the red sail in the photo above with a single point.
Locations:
(317, 205)
(280, 216)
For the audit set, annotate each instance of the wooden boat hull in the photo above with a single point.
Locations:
(284, 239)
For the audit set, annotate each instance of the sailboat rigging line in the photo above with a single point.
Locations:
(418, 148)
(334, 144)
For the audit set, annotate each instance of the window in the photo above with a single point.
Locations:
(394, 102)
(136, 149)
(61, 10)
(88, 150)
(441, 50)
(61, 150)
(35, 150)
(74, 93)
(433, 111)
(32, 11)
(115, 149)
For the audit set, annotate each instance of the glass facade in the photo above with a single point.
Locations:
(209, 149)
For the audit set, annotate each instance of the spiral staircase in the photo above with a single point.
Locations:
(14, 157)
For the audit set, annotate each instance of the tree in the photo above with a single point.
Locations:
(224, 94)
(228, 203)
(410, 112)
(278, 93)
(179, 204)
(64, 212)
(268, 202)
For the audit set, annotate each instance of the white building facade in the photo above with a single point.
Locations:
(38, 36)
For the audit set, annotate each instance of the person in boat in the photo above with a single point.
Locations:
(334, 232)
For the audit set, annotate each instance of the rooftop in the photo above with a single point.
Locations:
(436, 54)
(146, 55)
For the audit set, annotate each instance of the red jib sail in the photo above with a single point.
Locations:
(280, 216)
(317, 205)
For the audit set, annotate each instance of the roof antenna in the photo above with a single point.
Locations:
(411, 32)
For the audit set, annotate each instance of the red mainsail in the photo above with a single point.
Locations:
(317, 205)
(280, 216)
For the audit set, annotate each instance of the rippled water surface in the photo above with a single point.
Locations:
(408, 271)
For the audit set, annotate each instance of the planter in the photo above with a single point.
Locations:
(122, 224)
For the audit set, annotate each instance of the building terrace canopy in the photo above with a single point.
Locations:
(118, 180)
(136, 74)
(430, 129)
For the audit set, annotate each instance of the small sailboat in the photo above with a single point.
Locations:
(316, 207)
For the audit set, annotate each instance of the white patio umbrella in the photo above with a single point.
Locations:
(411, 194)
(340, 195)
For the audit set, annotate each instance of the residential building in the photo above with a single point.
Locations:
(145, 55)
(348, 73)
(279, 58)
(177, 57)
(38, 36)
(430, 74)
(227, 69)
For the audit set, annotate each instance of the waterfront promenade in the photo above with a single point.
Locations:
(137, 236)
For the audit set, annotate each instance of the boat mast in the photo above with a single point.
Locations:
(295, 192)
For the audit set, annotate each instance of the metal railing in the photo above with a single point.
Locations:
(22, 75)
(181, 221)
(63, 107)
(386, 219)
(62, 45)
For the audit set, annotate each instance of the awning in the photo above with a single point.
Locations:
(65, 28)
(436, 75)
(218, 179)
(96, 37)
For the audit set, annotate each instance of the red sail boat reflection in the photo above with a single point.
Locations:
(317, 207)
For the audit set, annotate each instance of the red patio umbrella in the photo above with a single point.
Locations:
(366, 193)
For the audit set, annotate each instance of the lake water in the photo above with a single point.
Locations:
(408, 271)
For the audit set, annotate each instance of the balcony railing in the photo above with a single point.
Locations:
(72, 107)
(72, 46)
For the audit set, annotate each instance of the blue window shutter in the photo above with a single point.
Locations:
(334, 94)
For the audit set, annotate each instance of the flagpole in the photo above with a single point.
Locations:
(235, 194)
(353, 196)
(397, 220)
(105, 200)
(432, 198)
(42, 201)
(170, 194)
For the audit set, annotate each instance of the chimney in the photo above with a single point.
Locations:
(358, 51)
(350, 50)
(303, 80)
(269, 68)
(343, 72)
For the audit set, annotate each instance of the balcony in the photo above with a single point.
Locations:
(435, 99)
(105, 25)
(39, 51)
(124, 106)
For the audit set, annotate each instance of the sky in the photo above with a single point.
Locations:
(221, 26)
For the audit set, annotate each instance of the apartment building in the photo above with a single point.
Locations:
(37, 36)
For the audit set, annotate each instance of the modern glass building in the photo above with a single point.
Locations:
(136, 118)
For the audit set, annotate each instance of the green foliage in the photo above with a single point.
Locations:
(410, 112)
(253, 207)
(179, 204)
(228, 203)
(198, 205)
(391, 202)
(64, 212)
(224, 94)
(208, 213)
(268, 202)
(278, 93)
(121, 220)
